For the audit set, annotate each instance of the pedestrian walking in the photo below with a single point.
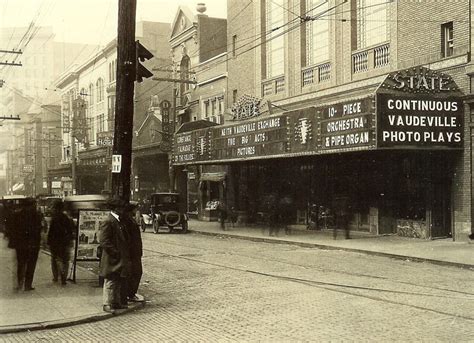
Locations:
(115, 259)
(60, 239)
(342, 217)
(222, 211)
(23, 230)
(136, 253)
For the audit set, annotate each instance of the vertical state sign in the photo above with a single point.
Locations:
(421, 121)
(347, 126)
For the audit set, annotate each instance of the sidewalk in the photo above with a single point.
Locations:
(49, 305)
(442, 251)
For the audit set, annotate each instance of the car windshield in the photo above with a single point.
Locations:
(165, 201)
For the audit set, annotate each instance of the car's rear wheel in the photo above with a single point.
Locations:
(172, 218)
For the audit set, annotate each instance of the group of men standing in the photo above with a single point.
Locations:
(121, 252)
(120, 245)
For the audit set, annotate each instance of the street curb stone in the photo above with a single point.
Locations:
(54, 324)
(330, 247)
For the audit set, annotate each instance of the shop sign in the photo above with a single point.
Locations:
(116, 164)
(66, 115)
(56, 184)
(27, 168)
(246, 107)
(165, 107)
(421, 121)
(105, 138)
(79, 121)
(264, 137)
(347, 125)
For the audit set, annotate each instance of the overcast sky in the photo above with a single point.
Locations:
(92, 21)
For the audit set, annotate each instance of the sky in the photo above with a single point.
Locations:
(92, 21)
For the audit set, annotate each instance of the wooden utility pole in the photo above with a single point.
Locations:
(126, 73)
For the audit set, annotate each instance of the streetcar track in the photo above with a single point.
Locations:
(339, 288)
(321, 269)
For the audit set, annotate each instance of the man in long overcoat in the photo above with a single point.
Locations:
(60, 239)
(23, 230)
(115, 260)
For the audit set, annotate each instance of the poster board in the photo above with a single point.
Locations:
(87, 236)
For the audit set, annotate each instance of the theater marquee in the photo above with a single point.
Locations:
(419, 108)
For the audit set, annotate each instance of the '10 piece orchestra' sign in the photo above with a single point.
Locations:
(417, 109)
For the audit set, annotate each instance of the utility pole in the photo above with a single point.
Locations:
(126, 74)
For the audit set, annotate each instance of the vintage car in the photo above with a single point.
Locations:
(164, 213)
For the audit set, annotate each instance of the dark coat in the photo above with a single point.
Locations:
(135, 243)
(114, 240)
(61, 232)
(23, 229)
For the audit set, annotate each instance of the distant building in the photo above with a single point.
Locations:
(88, 93)
(26, 89)
(360, 107)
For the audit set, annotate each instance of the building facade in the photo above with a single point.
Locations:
(88, 113)
(199, 52)
(357, 108)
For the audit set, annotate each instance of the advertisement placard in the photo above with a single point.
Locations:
(88, 228)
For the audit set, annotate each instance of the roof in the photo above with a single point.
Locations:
(195, 125)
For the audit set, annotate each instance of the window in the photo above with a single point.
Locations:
(221, 105)
(100, 90)
(447, 41)
(317, 32)
(101, 123)
(111, 107)
(234, 43)
(275, 45)
(371, 22)
(184, 69)
(207, 110)
(91, 94)
(234, 96)
(214, 106)
(91, 127)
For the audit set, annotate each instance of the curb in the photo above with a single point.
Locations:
(331, 247)
(54, 324)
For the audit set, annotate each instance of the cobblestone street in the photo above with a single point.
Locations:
(203, 288)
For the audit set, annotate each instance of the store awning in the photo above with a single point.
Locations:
(216, 177)
(17, 187)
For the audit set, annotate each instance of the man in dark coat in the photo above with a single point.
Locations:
(60, 236)
(136, 252)
(115, 260)
(23, 230)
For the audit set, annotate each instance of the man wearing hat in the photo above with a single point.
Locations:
(115, 260)
(60, 238)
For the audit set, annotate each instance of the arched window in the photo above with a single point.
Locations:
(184, 70)
(91, 94)
(100, 90)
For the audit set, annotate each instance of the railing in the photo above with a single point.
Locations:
(274, 86)
(308, 76)
(381, 56)
(324, 72)
(320, 73)
(280, 85)
(371, 58)
(360, 61)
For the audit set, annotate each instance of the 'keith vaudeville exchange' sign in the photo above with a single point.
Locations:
(419, 108)
(264, 137)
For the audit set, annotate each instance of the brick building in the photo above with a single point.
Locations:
(358, 108)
